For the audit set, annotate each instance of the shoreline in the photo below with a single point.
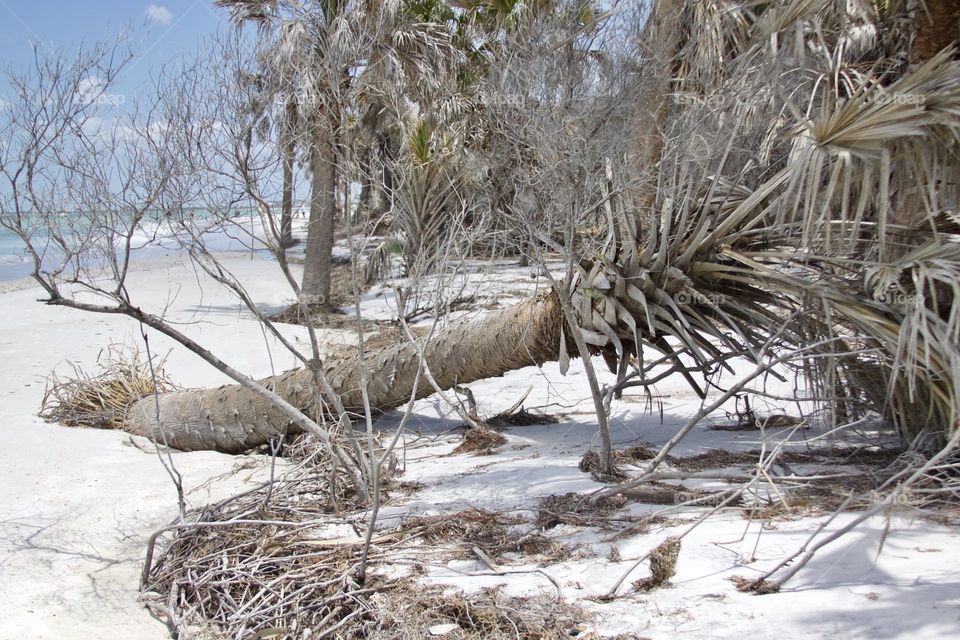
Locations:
(154, 241)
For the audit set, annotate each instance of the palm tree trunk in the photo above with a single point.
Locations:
(233, 418)
(289, 151)
(315, 288)
(936, 25)
(651, 117)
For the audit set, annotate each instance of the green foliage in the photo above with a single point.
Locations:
(436, 11)
(420, 142)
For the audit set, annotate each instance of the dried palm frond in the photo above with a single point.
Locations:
(101, 400)
(257, 11)
(836, 232)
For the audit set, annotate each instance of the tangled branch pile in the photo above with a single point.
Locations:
(278, 562)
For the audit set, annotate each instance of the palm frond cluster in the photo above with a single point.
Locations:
(806, 198)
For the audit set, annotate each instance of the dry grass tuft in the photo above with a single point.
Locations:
(758, 587)
(469, 525)
(639, 452)
(663, 565)
(576, 509)
(720, 458)
(488, 614)
(521, 418)
(101, 400)
(480, 442)
(494, 533)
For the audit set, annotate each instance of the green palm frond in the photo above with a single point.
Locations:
(420, 142)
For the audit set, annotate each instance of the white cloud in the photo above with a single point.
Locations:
(159, 14)
(91, 88)
(91, 84)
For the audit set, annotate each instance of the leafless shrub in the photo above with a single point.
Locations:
(264, 559)
(277, 561)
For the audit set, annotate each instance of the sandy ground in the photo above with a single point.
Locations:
(78, 505)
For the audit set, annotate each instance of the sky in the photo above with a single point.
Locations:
(160, 32)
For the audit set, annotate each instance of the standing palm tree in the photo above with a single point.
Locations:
(341, 51)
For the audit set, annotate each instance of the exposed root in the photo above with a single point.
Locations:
(330, 317)
(326, 313)
(101, 400)
(590, 462)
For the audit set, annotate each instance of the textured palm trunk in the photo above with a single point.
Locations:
(936, 26)
(289, 151)
(315, 288)
(650, 119)
(234, 418)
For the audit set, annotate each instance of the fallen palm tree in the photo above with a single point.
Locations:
(836, 232)
(234, 418)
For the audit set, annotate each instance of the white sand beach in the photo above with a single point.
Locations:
(78, 505)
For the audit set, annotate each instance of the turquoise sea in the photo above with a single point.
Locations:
(150, 242)
(13, 265)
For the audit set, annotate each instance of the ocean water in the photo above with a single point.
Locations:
(152, 241)
(13, 264)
